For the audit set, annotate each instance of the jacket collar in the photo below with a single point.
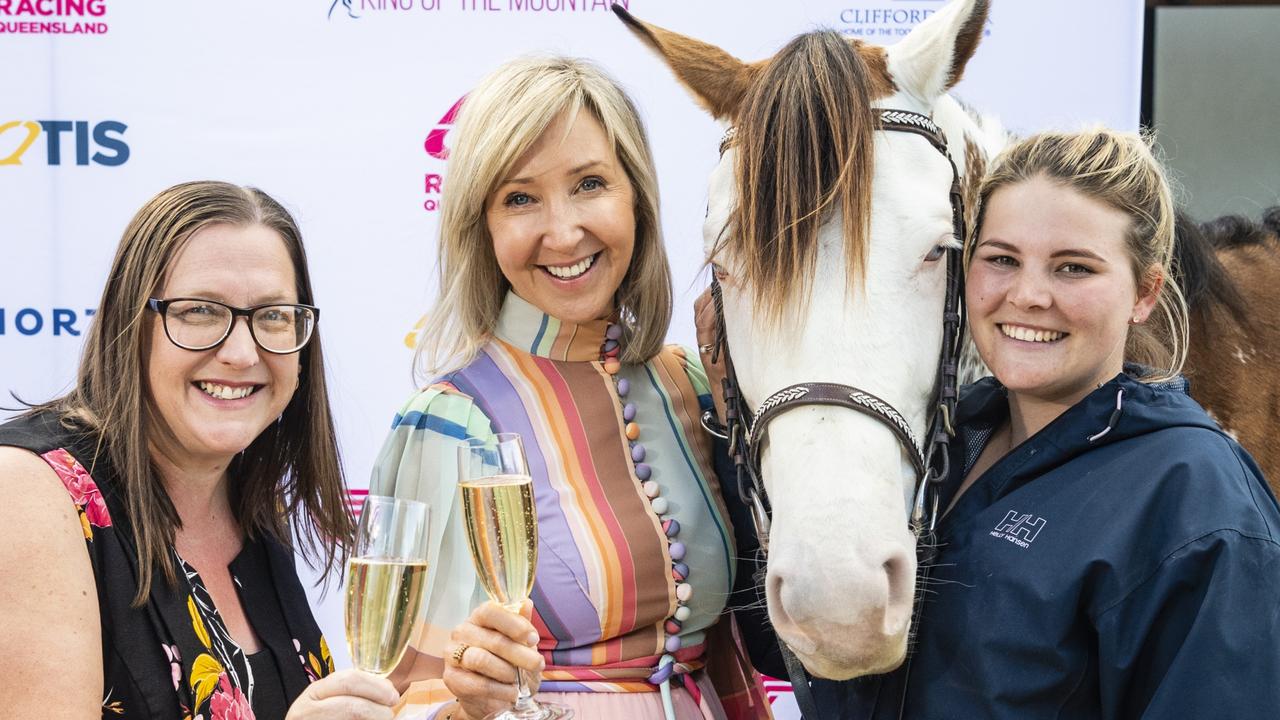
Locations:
(1119, 409)
(524, 326)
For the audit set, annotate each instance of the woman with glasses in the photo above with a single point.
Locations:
(195, 447)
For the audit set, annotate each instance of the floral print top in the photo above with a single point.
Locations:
(173, 657)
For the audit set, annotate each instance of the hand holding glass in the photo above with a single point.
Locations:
(502, 529)
(386, 580)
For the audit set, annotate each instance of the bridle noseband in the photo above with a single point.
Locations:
(747, 431)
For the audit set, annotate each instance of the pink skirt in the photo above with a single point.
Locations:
(640, 706)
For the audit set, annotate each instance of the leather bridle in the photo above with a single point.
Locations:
(746, 431)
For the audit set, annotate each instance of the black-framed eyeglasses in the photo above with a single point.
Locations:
(200, 324)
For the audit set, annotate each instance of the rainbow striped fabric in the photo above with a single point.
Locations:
(604, 590)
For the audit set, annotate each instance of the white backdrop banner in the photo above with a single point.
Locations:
(341, 109)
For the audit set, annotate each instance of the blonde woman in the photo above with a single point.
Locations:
(554, 299)
(1109, 551)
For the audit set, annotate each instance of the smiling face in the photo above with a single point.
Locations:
(563, 221)
(1051, 290)
(216, 402)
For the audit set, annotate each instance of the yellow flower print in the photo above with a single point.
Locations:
(205, 672)
(324, 654)
(198, 623)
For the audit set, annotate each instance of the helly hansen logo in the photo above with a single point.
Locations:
(1019, 528)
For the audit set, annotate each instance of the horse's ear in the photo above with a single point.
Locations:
(931, 59)
(717, 79)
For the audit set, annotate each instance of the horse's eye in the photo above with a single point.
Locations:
(937, 252)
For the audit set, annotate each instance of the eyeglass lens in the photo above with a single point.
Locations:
(199, 324)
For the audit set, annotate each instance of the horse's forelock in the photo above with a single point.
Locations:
(804, 150)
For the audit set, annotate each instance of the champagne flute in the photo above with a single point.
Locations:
(386, 579)
(502, 530)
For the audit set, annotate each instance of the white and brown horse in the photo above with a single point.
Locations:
(828, 235)
(1230, 269)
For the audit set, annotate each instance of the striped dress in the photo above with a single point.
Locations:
(626, 630)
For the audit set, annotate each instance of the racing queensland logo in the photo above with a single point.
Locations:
(436, 149)
(65, 142)
(53, 17)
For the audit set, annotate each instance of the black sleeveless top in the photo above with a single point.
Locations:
(173, 657)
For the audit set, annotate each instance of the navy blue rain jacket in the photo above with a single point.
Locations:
(1132, 574)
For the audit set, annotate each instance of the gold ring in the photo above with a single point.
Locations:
(458, 652)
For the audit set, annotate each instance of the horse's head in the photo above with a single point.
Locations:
(828, 237)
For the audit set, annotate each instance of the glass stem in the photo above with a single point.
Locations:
(524, 698)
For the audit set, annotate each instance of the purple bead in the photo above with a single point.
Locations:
(643, 471)
(673, 529)
(673, 643)
(677, 551)
(624, 387)
(614, 332)
(637, 453)
(662, 674)
(610, 345)
(629, 412)
(682, 569)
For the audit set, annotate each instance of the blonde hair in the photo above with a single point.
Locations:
(290, 473)
(1121, 170)
(499, 121)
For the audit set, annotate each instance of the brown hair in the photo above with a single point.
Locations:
(290, 471)
(1120, 170)
(499, 121)
(804, 144)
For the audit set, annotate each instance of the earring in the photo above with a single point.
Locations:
(1135, 320)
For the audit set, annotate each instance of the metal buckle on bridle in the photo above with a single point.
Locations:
(713, 426)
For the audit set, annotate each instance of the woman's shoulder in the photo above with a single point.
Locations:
(52, 625)
(50, 510)
(440, 401)
(1202, 481)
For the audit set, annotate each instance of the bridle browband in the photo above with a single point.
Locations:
(746, 432)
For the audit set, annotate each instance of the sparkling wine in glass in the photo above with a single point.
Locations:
(386, 580)
(502, 530)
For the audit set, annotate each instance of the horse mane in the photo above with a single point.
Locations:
(1205, 282)
(1235, 231)
(804, 145)
(1271, 220)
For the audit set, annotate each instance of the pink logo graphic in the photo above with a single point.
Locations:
(435, 146)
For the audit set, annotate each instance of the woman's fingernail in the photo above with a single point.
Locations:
(532, 639)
